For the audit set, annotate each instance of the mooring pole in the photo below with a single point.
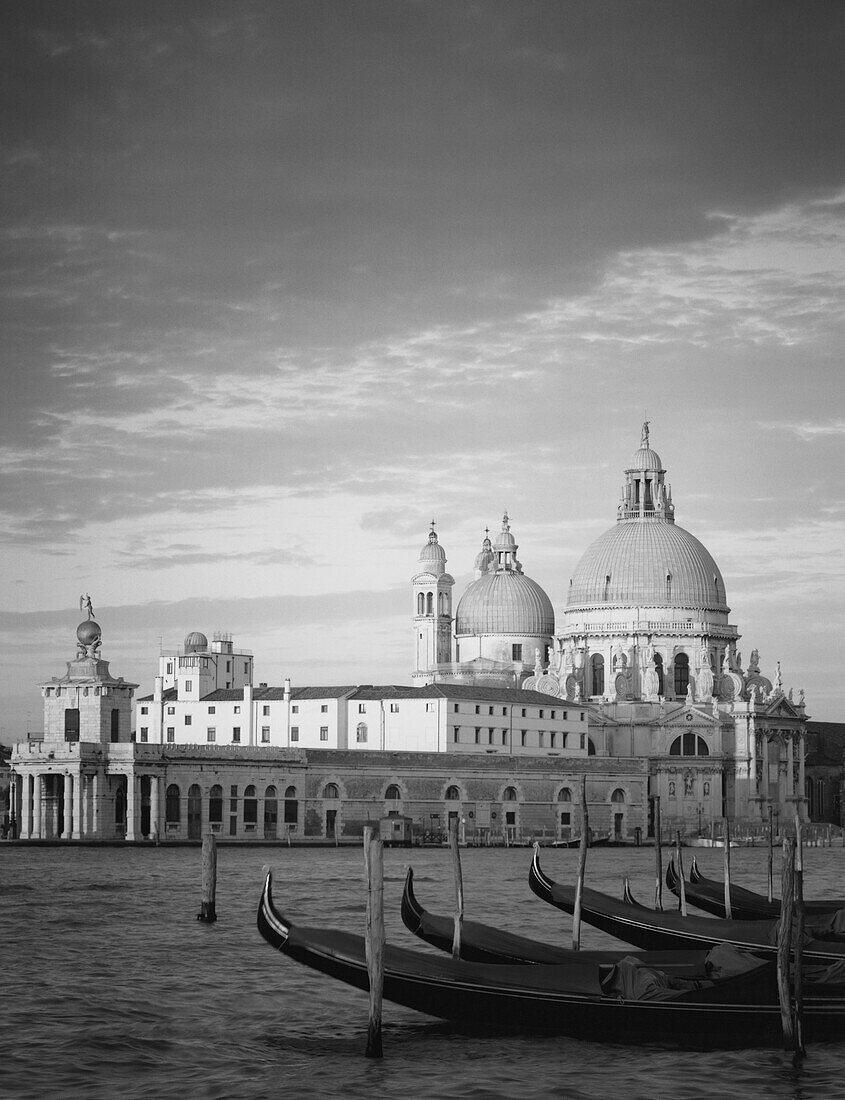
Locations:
(771, 852)
(374, 938)
(459, 888)
(787, 904)
(682, 889)
(798, 937)
(658, 857)
(582, 863)
(208, 910)
(727, 835)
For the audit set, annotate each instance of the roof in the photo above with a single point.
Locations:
(504, 602)
(380, 691)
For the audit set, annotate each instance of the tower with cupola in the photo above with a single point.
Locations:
(432, 609)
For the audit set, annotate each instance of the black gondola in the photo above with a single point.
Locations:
(583, 1000)
(651, 930)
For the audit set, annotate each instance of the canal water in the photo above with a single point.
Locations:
(112, 988)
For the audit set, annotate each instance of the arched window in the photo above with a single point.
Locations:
(361, 733)
(172, 804)
(681, 673)
(250, 806)
(564, 795)
(429, 603)
(330, 791)
(689, 744)
(392, 794)
(509, 794)
(618, 795)
(453, 794)
(215, 804)
(591, 748)
(291, 806)
(420, 604)
(597, 666)
(270, 792)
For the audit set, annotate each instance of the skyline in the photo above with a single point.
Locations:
(283, 282)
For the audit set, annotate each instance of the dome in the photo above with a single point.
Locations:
(505, 602)
(646, 459)
(647, 563)
(88, 632)
(432, 551)
(484, 557)
(195, 642)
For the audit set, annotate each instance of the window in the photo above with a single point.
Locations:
(115, 725)
(171, 805)
(265, 711)
(554, 714)
(553, 740)
(324, 733)
(456, 708)
(250, 806)
(542, 714)
(246, 666)
(330, 791)
(394, 708)
(228, 666)
(564, 795)
(212, 710)
(509, 794)
(237, 710)
(523, 737)
(215, 804)
(478, 710)
(457, 734)
(236, 734)
(145, 733)
(681, 673)
(392, 794)
(294, 709)
(489, 710)
(524, 713)
(361, 733)
(171, 710)
(211, 733)
(453, 794)
(265, 735)
(429, 708)
(540, 736)
(324, 708)
(362, 708)
(294, 733)
(504, 712)
(478, 735)
(171, 734)
(169, 668)
(71, 724)
(618, 796)
(189, 685)
(504, 737)
(291, 808)
(188, 719)
(145, 710)
(516, 652)
(689, 744)
(490, 736)
(597, 671)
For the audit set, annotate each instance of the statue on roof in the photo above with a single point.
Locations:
(644, 436)
(85, 605)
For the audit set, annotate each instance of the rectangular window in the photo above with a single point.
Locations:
(145, 710)
(566, 716)
(394, 708)
(265, 734)
(324, 733)
(504, 737)
(504, 712)
(72, 724)
(171, 710)
(228, 666)
(553, 740)
(145, 733)
(429, 708)
(524, 712)
(489, 710)
(478, 735)
(456, 708)
(246, 666)
(212, 710)
(236, 734)
(540, 736)
(189, 685)
(324, 708)
(294, 733)
(211, 733)
(169, 668)
(237, 710)
(478, 710)
(294, 709)
(565, 818)
(581, 716)
(553, 716)
(188, 719)
(265, 712)
(542, 714)
(489, 737)
(457, 734)
(362, 708)
(523, 737)
(171, 734)
(516, 652)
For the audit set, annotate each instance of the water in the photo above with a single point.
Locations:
(112, 988)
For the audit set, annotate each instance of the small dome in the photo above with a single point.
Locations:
(504, 602)
(88, 632)
(505, 540)
(484, 557)
(195, 642)
(646, 459)
(432, 551)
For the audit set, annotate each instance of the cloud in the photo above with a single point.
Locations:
(805, 429)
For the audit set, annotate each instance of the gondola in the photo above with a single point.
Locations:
(709, 895)
(625, 1003)
(651, 930)
(484, 943)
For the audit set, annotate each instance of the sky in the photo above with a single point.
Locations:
(283, 281)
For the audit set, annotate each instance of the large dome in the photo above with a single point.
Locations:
(647, 563)
(504, 602)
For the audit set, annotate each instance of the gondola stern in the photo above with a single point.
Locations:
(271, 924)
(538, 881)
(412, 911)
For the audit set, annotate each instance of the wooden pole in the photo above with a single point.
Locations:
(727, 835)
(680, 864)
(787, 903)
(208, 910)
(459, 888)
(798, 937)
(582, 863)
(658, 856)
(374, 936)
(771, 852)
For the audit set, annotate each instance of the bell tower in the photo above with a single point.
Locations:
(432, 610)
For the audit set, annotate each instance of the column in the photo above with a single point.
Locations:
(95, 805)
(25, 823)
(67, 825)
(13, 802)
(131, 785)
(765, 787)
(78, 827)
(155, 829)
(36, 807)
(790, 774)
(802, 782)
